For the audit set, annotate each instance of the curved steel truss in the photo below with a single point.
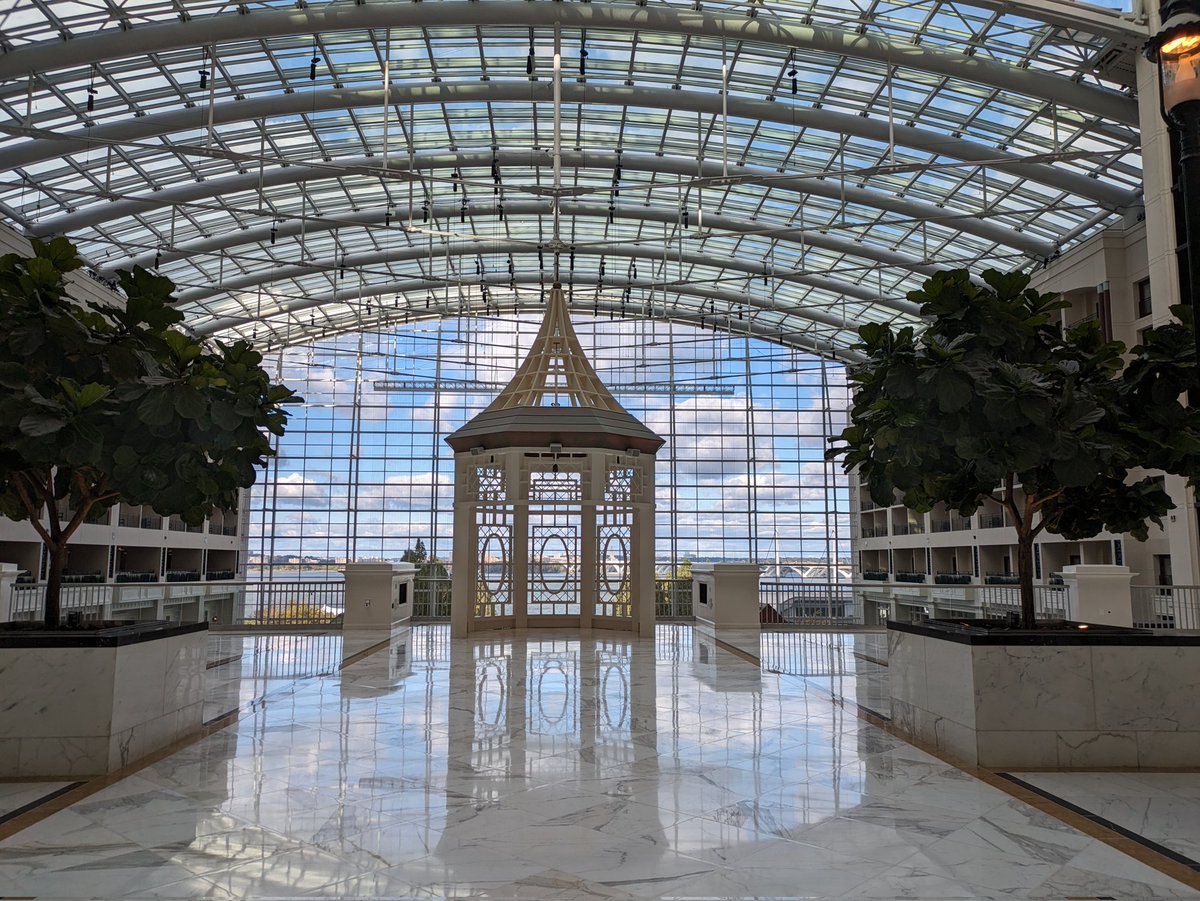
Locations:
(790, 169)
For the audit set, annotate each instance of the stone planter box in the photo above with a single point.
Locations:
(1085, 699)
(88, 703)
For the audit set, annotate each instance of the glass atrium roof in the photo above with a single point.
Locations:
(789, 169)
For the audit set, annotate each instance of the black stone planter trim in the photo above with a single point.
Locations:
(116, 636)
(963, 632)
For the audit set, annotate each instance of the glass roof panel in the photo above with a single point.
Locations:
(816, 191)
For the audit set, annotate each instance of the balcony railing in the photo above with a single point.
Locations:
(1166, 606)
(991, 521)
(76, 578)
(126, 575)
(952, 578)
(808, 603)
(908, 528)
(431, 598)
(673, 598)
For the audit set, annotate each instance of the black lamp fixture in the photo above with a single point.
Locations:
(1175, 50)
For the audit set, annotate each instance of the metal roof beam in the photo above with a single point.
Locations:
(161, 124)
(683, 167)
(424, 286)
(458, 249)
(448, 211)
(259, 24)
(1108, 23)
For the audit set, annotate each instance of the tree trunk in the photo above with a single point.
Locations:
(53, 600)
(1025, 576)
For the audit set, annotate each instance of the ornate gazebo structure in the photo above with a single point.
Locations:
(554, 499)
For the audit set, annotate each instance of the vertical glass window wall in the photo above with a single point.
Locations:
(364, 473)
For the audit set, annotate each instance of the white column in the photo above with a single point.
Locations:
(518, 499)
(641, 563)
(590, 567)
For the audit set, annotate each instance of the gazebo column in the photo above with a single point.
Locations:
(590, 572)
(518, 494)
(464, 571)
(641, 571)
(589, 565)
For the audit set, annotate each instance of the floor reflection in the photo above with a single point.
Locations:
(554, 765)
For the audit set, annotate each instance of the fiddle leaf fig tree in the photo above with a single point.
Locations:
(101, 405)
(992, 400)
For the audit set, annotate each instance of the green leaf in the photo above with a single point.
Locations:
(90, 394)
(224, 416)
(13, 375)
(157, 408)
(38, 425)
(189, 403)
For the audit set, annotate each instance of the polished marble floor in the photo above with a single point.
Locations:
(558, 766)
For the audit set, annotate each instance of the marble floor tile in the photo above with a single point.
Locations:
(1163, 807)
(564, 765)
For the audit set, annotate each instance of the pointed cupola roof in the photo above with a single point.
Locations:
(556, 397)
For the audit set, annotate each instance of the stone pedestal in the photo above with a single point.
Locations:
(1099, 594)
(89, 703)
(725, 603)
(8, 578)
(379, 596)
(1036, 700)
(726, 594)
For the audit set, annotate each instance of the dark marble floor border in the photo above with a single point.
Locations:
(1105, 822)
(34, 805)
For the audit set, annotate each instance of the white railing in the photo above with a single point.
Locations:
(1166, 606)
(809, 603)
(291, 603)
(873, 603)
(319, 602)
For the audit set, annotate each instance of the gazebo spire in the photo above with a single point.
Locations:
(556, 372)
